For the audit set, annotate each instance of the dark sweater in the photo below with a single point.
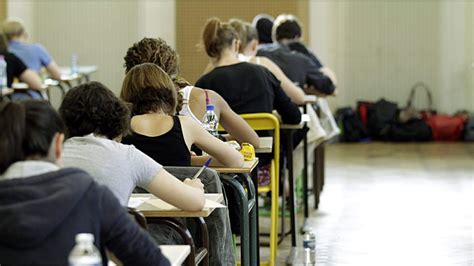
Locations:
(15, 67)
(250, 88)
(40, 216)
(297, 67)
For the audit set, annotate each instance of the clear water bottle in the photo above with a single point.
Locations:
(84, 252)
(210, 121)
(309, 245)
(3, 72)
(74, 65)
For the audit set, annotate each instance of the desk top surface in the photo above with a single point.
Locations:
(84, 70)
(304, 118)
(6, 91)
(247, 168)
(176, 254)
(266, 145)
(154, 207)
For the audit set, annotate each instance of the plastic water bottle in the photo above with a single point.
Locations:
(74, 65)
(309, 245)
(84, 252)
(210, 120)
(3, 72)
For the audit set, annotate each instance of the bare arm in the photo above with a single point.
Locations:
(224, 153)
(295, 93)
(54, 71)
(233, 123)
(188, 197)
(32, 79)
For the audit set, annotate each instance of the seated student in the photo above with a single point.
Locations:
(35, 56)
(287, 30)
(167, 138)
(191, 100)
(17, 69)
(247, 53)
(95, 122)
(156, 131)
(43, 207)
(248, 88)
(296, 66)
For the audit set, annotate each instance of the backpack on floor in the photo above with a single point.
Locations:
(412, 130)
(382, 114)
(469, 129)
(350, 124)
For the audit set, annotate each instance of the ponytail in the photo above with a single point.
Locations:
(12, 134)
(217, 36)
(27, 130)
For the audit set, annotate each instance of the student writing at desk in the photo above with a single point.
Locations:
(191, 100)
(167, 138)
(43, 207)
(17, 69)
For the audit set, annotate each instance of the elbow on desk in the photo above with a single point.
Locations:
(198, 203)
(235, 160)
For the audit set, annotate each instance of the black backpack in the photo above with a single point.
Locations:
(352, 128)
(412, 130)
(382, 114)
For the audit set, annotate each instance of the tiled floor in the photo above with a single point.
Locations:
(395, 204)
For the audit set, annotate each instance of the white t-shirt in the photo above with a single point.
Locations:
(118, 166)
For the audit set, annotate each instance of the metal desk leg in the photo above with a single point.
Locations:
(248, 237)
(289, 156)
(305, 179)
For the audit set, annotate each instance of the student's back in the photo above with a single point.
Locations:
(43, 207)
(248, 88)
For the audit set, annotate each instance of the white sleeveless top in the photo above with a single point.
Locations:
(245, 58)
(186, 110)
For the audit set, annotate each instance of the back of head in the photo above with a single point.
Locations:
(27, 131)
(93, 108)
(286, 27)
(13, 29)
(263, 23)
(152, 50)
(149, 89)
(217, 36)
(246, 32)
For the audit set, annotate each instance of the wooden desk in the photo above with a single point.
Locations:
(266, 145)
(247, 168)
(160, 208)
(304, 118)
(82, 72)
(6, 92)
(176, 254)
(310, 99)
(24, 86)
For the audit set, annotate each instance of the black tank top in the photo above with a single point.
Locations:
(168, 149)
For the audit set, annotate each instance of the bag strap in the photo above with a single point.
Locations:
(428, 94)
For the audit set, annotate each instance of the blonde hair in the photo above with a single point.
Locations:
(13, 29)
(246, 32)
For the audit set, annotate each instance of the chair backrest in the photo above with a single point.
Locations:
(266, 121)
(138, 216)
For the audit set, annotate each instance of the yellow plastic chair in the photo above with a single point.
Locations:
(266, 121)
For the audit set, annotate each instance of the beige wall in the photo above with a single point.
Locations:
(99, 32)
(379, 49)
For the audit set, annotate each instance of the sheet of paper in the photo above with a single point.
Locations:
(134, 202)
(213, 204)
(209, 204)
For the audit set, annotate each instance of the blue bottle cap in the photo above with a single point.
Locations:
(210, 107)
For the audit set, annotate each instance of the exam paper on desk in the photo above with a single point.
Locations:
(134, 202)
(210, 204)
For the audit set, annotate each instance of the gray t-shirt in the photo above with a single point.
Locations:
(119, 167)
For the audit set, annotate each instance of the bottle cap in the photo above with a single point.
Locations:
(210, 107)
(84, 237)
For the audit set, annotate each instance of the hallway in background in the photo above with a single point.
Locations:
(395, 204)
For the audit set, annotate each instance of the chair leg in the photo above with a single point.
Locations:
(274, 215)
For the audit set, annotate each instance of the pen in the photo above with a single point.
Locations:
(206, 164)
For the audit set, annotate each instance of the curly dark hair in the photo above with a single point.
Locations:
(158, 52)
(93, 108)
